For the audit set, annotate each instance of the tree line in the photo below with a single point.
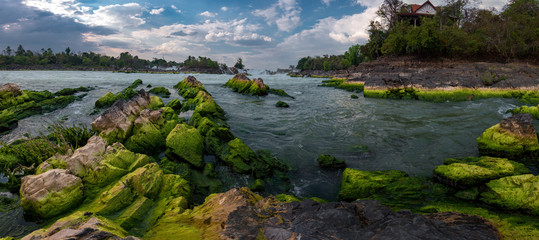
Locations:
(458, 30)
(21, 58)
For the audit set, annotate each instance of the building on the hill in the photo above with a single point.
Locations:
(417, 11)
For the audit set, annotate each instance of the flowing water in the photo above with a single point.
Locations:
(369, 134)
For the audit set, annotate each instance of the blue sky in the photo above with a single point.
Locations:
(266, 34)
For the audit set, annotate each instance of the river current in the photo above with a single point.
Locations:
(369, 134)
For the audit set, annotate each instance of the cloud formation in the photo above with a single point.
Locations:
(285, 14)
(208, 14)
(157, 11)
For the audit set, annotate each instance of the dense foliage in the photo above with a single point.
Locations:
(200, 62)
(459, 31)
(352, 57)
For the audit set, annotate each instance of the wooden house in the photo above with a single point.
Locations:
(416, 11)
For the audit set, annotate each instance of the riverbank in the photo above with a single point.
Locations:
(441, 80)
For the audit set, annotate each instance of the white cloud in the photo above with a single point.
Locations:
(157, 11)
(114, 16)
(327, 2)
(208, 14)
(224, 9)
(285, 14)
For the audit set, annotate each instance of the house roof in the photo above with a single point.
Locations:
(416, 7)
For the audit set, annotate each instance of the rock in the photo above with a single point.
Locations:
(155, 103)
(514, 193)
(282, 104)
(186, 143)
(514, 138)
(50, 193)
(367, 219)
(80, 226)
(241, 214)
(242, 84)
(116, 122)
(329, 161)
(175, 104)
(258, 87)
(87, 157)
(162, 91)
(241, 77)
(258, 185)
(357, 184)
(189, 87)
(472, 171)
(533, 110)
(239, 156)
(9, 90)
(106, 100)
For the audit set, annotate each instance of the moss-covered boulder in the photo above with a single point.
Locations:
(239, 156)
(161, 91)
(175, 104)
(189, 87)
(533, 110)
(50, 193)
(328, 161)
(514, 193)
(186, 143)
(514, 138)
(473, 171)
(358, 184)
(107, 100)
(282, 104)
(155, 103)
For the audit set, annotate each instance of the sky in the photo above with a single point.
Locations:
(266, 34)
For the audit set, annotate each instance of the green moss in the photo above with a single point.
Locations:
(55, 202)
(155, 103)
(8, 120)
(472, 171)
(257, 90)
(106, 100)
(526, 109)
(287, 198)
(329, 161)
(258, 186)
(205, 125)
(498, 142)
(162, 91)
(135, 84)
(343, 84)
(175, 104)
(435, 95)
(514, 193)
(358, 184)
(186, 143)
(468, 194)
(239, 156)
(279, 92)
(71, 91)
(353, 96)
(237, 85)
(147, 139)
(135, 213)
(189, 87)
(282, 104)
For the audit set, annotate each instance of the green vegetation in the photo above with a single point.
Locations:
(282, 104)
(109, 98)
(534, 110)
(200, 62)
(352, 57)
(161, 91)
(499, 142)
(239, 64)
(343, 84)
(329, 161)
(458, 31)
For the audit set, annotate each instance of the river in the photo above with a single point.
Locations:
(369, 134)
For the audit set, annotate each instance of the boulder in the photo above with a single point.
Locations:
(514, 193)
(87, 157)
(189, 87)
(514, 138)
(50, 193)
(328, 161)
(282, 104)
(186, 143)
(10, 90)
(116, 123)
(472, 171)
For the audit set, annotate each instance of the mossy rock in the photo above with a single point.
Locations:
(499, 142)
(353, 96)
(279, 92)
(155, 103)
(239, 156)
(358, 184)
(162, 91)
(186, 142)
(328, 161)
(59, 192)
(258, 186)
(468, 194)
(473, 171)
(147, 139)
(175, 104)
(514, 193)
(282, 104)
(135, 84)
(189, 87)
(106, 100)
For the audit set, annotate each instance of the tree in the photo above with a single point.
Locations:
(377, 36)
(20, 51)
(354, 55)
(389, 12)
(8, 51)
(239, 64)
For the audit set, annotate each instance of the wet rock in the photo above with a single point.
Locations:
(472, 171)
(116, 122)
(514, 138)
(50, 193)
(78, 226)
(10, 90)
(87, 157)
(328, 161)
(162, 91)
(367, 219)
(242, 84)
(514, 193)
(189, 87)
(282, 104)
